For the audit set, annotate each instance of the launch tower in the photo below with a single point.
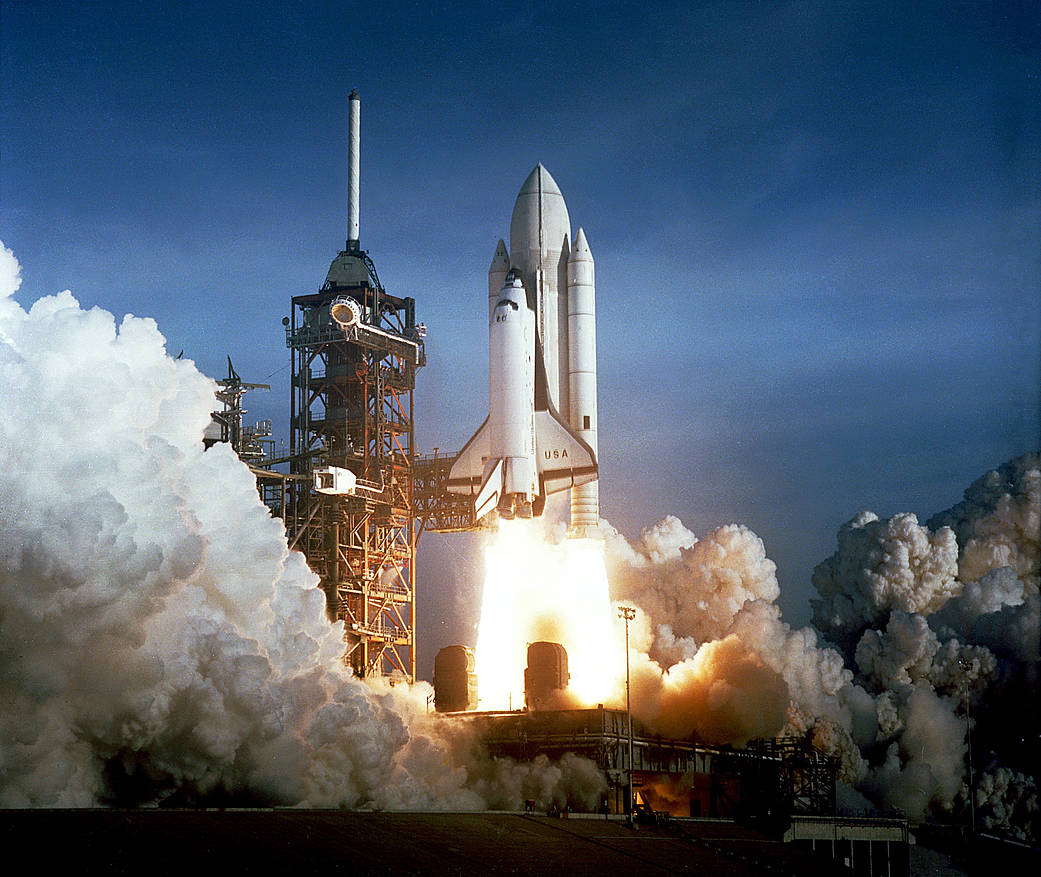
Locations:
(355, 350)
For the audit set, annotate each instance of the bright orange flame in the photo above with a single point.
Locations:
(535, 591)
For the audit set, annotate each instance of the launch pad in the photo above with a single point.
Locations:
(354, 497)
(769, 781)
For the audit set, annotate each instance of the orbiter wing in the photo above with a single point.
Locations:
(467, 472)
(562, 458)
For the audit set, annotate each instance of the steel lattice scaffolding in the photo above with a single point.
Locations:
(437, 510)
(351, 422)
(767, 780)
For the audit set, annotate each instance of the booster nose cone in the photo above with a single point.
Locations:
(580, 249)
(500, 261)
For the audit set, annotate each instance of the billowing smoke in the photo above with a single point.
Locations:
(159, 642)
(923, 622)
(723, 694)
(157, 639)
(880, 566)
(696, 596)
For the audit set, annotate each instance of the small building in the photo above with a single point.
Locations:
(869, 846)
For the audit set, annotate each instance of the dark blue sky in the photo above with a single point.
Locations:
(816, 226)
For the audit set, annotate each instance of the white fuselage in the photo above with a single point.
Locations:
(511, 391)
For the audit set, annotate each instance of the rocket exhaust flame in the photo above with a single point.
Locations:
(539, 591)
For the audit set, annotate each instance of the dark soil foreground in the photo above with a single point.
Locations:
(199, 842)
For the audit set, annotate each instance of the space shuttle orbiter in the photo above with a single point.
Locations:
(523, 450)
(542, 360)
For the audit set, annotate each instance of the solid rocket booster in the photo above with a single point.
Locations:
(557, 278)
(581, 324)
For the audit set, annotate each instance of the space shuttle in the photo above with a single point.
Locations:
(540, 436)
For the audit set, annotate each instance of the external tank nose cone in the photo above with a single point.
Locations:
(540, 221)
(539, 180)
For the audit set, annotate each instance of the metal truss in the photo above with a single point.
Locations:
(437, 510)
(352, 408)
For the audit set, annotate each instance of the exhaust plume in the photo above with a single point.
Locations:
(926, 621)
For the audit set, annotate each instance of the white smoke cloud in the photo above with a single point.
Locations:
(694, 589)
(922, 640)
(924, 769)
(999, 522)
(883, 565)
(820, 685)
(826, 708)
(909, 653)
(725, 693)
(1007, 802)
(573, 782)
(157, 637)
(938, 619)
(709, 633)
(993, 591)
(899, 656)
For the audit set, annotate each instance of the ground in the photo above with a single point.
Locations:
(179, 842)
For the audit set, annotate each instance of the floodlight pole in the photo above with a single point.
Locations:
(628, 614)
(966, 665)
